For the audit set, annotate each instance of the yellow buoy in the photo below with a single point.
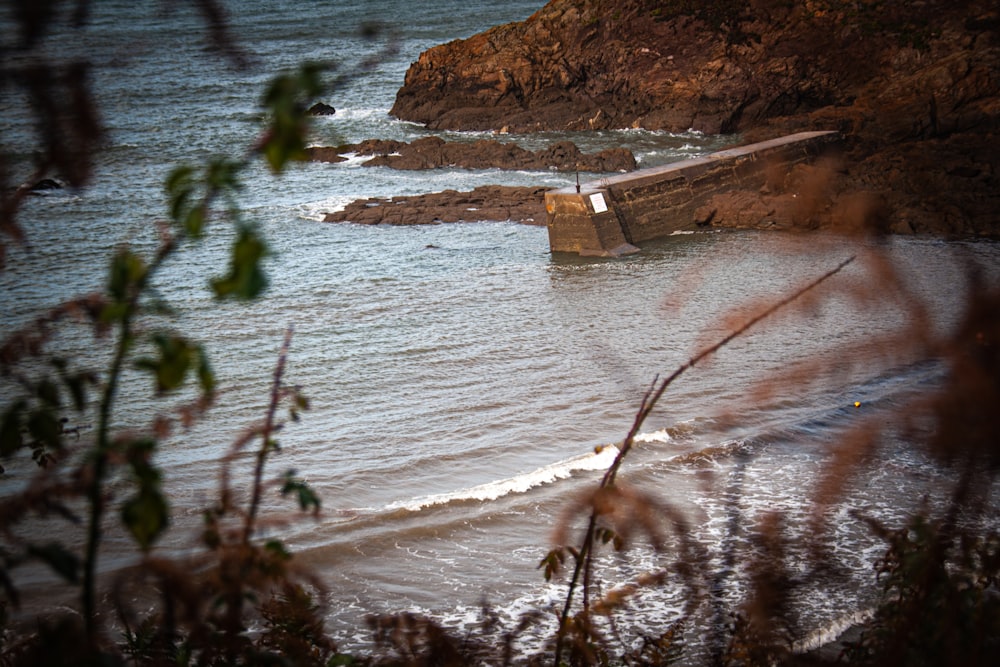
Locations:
(857, 404)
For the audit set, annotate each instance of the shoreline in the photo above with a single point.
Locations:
(919, 107)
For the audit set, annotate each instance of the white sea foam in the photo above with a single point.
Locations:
(598, 460)
(361, 113)
(316, 210)
(656, 436)
(353, 159)
(832, 631)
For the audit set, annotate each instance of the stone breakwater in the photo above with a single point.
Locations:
(607, 217)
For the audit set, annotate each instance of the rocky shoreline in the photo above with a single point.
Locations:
(435, 152)
(913, 86)
(525, 205)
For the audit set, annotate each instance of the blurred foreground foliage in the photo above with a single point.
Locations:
(243, 600)
(197, 610)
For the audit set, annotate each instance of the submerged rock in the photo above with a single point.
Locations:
(324, 154)
(45, 185)
(321, 109)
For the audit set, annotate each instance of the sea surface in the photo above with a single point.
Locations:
(466, 385)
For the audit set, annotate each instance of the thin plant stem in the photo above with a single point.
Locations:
(95, 490)
(102, 450)
(266, 442)
(584, 557)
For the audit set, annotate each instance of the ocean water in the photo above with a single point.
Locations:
(467, 385)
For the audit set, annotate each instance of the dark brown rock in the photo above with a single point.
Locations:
(322, 109)
(717, 67)
(434, 152)
(324, 154)
(487, 203)
(914, 86)
(45, 185)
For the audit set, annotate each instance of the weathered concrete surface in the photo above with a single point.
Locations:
(610, 216)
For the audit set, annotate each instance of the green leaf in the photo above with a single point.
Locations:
(138, 453)
(306, 497)
(277, 548)
(146, 515)
(63, 562)
(206, 378)
(295, 89)
(176, 356)
(127, 270)
(553, 562)
(191, 195)
(223, 175)
(77, 386)
(210, 535)
(309, 79)
(180, 190)
(284, 147)
(287, 99)
(180, 179)
(44, 427)
(246, 279)
(194, 221)
(48, 393)
(10, 428)
(113, 312)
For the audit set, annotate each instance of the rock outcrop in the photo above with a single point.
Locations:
(717, 66)
(45, 185)
(493, 203)
(322, 109)
(435, 152)
(914, 87)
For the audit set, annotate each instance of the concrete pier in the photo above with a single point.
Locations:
(608, 217)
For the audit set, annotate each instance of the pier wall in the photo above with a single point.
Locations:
(608, 217)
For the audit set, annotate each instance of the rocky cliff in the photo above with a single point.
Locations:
(914, 85)
(717, 65)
